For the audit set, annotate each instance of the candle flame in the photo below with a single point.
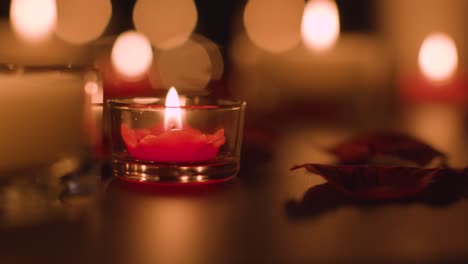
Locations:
(320, 24)
(33, 20)
(438, 59)
(172, 112)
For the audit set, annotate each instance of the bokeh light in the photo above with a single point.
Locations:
(132, 54)
(320, 24)
(167, 23)
(190, 66)
(33, 20)
(274, 25)
(81, 21)
(438, 59)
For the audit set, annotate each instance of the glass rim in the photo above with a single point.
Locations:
(157, 103)
(38, 68)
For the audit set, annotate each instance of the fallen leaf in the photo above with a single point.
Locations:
(370, 182)
(369, 147)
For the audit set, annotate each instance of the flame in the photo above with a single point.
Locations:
(33, 20)
(438, 59)
(132, 54)
(320, 24)
(173, 112)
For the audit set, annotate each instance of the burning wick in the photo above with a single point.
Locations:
(173, 112)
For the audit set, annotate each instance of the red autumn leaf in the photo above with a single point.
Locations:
(365, 148)
(368, 182)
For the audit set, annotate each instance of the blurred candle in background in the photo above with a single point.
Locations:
(438, 79)
(410, 28)
(320, 25)
(167, 23)
(273, 67)
(45, 96)
(29, 36)
(125, 72)
(42, 116)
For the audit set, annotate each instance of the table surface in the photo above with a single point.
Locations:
(268, 214)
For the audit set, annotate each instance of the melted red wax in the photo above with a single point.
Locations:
(177, 145)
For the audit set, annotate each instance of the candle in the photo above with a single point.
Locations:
(404, 24)
(126, 73)
(42, 117)
(174, 141)
(191, 139)
(438, 79)
(328, 65)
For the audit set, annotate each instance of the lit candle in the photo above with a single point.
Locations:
(174, 140)
(328, 64)
(127, 72)
(438, 79)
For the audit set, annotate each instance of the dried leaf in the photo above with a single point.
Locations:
(370, 182)
(366, 148)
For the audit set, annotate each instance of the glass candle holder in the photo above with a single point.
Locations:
(196, 143)
(43, 111)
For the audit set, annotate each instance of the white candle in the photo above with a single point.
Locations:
(42, 118)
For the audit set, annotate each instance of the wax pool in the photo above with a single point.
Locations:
(175, 145)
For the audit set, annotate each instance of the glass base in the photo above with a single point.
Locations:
(175, 173)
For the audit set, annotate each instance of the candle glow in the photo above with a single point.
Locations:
(172, 112)
(132, 54)
(82, 21)
(150, 17)
(438, 58)
(171, 141)
(320, 24)
(33, 20)
(274, 25)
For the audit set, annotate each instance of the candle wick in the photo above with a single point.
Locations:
(173, 126)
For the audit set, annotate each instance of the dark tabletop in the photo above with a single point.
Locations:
(268, 214)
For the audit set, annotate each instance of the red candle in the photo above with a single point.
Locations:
(126, 72)
(417, 88)
(438, 79)
(116, 85)
(173, 141)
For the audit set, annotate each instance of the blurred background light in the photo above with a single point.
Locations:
(132, 54)
(33, 20)
(167, 23)
(274, 25)
(320, 24)
(81, 21)
(190, 66)
(438, 59)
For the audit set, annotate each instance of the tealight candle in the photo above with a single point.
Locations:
(439, 80)
(172, 142)
(166, 141)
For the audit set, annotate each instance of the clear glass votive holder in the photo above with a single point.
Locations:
(199, 142)
(43, 109)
